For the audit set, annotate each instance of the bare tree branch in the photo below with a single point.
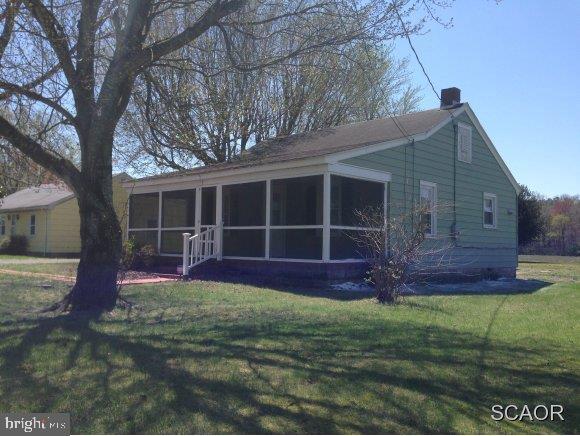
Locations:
(56, 164)
(13, 88)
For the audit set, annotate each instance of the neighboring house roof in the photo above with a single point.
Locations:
(41, 197)
(327, 141)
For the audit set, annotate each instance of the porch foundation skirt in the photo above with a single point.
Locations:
(297, 270)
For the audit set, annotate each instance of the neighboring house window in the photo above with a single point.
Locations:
(464, 143)
(32, 225)
(489, 211)
(13, 224)
(428, 202)
(2, 226)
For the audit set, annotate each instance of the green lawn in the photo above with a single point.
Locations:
(210, 358)
(64, 269)
(16, 257)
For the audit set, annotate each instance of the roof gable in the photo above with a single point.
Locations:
(42, 197)
(451, 114)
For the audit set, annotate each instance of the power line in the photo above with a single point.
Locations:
(415, 51)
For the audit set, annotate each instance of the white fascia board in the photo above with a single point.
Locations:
(491, 147)
(23, 209)
(41, 207)
(361, 151)
(359, 172)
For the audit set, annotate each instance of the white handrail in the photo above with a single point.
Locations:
(199, 248)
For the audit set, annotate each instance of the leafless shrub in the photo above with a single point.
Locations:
(400, 248)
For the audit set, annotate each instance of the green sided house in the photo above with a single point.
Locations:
(48, 216)
(287, 206)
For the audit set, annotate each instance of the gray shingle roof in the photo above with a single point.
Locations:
(327, 141)
(41, 197)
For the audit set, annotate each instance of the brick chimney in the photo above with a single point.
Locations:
(450, 97)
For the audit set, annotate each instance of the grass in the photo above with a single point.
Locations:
(550, 268)
(208, 357)
(16, 257)
(64, 269)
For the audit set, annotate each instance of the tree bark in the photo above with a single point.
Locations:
(101, 241)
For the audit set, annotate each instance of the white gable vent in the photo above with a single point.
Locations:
(464, 143)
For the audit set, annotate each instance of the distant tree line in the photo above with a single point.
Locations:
(548, 225)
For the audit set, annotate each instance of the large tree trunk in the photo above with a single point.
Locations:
(96, 283)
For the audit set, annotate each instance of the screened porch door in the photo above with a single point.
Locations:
(207, 209)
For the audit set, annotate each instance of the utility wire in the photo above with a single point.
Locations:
(415, 51)
(408, 37)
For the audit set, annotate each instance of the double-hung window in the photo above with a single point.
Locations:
(32, 225)
(2, 226)
(13, 220)
(489, 211)
(428, 208)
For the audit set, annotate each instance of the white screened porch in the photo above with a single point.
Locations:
(287, 215)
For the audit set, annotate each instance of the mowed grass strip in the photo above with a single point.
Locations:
(206, 357)
(61, 269)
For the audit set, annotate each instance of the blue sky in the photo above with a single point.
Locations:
(517, 63)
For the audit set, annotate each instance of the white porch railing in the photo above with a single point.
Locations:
(199, 248)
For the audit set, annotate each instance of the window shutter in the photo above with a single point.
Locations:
(464, 145)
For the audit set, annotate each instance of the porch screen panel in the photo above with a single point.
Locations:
(172, 241)
(144, 211)
(297, 201)
(144, 237)
(345, 244)
(178, 208)
(296, 243)
(349, 195)
(296, 208)
(244, 217)
(244, 243)
(244, 204)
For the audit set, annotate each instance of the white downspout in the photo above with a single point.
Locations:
(46, 212)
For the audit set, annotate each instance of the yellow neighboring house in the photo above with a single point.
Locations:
(48, 216)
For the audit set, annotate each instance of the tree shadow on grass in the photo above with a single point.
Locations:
(254, 375)
(322, 289)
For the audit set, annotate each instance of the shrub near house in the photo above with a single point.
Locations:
(16, 244)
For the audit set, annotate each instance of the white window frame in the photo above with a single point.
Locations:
(493, 198)
(433, 211)
(465, 127)
(13, 220)
(31, 226)
(2, 226)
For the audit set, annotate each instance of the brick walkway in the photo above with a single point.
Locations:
(71, 279)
